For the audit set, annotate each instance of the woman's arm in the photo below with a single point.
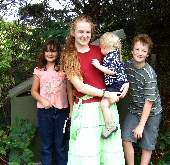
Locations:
(90, 90)
(36, 95)
(70, 95)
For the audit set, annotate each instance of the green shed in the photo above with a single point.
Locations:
(24, 106)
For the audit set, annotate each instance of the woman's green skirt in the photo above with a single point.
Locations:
(86, 146)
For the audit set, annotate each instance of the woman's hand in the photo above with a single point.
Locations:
(112, 97)
(124, 89)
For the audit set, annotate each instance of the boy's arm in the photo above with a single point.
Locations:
(145, 114)
(104, 69)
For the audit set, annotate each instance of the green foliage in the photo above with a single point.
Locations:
(49, 29)
(164, 140)
(126, 51)
(14, 52)
(16, 140)
(19, 48)
(164, 144)
(165, 161)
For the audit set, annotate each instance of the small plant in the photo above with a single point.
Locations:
(164, 140)
(164, 144)
(16, 141)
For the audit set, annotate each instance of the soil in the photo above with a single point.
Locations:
(4, 159)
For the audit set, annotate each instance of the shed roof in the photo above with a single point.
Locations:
(22, 87)
(120, 33)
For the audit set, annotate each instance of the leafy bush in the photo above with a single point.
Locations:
(164, 145)
(16, 140)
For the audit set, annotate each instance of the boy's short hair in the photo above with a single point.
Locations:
(111, 40)
(145, 39)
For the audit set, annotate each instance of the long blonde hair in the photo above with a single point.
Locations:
(70, 59)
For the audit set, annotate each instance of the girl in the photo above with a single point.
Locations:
(50, 88)
(86, 146)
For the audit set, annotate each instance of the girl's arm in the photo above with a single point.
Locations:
(36, 95)
(90, 90)
(145, 114)
(102, 68)
(70, 94)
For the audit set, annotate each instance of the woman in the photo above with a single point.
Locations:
(86, 147)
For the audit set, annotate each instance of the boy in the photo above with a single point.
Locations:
(114, 73)
(142, 122)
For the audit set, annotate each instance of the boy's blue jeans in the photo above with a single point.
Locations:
(51, 122)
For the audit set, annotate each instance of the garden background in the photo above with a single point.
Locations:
(22, 38)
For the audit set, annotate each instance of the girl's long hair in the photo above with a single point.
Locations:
(70, 59)
(50, 45)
